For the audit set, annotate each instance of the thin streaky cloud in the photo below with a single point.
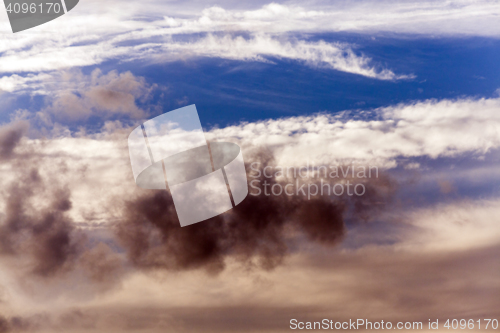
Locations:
(94, 37)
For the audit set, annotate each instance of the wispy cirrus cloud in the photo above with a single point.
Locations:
(88, 37)
(421, 18)
(336, 56)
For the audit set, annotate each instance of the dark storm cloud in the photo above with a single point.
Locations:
(35, 225)
(10, 136)
(4, 325)
(46, 234)
(261, 230)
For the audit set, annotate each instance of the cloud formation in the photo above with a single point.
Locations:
(258, 231)
(423, 18)
(264, 48)
(150, 29)
(101, 95)
(259, 47)
(72, 97)
(65, 197)
(431, 128)
(211, 32)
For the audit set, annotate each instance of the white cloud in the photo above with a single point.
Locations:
(87, 36)
(317, 54)
(95, 32)
(335, 56)
(422, 18)
(425, 129)
(461, 225)
(429, 128)
(16, 82)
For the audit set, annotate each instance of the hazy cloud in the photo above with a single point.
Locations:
(64, 197)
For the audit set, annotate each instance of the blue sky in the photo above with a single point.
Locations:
(230, 91)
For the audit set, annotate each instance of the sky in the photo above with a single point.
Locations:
(411, 88)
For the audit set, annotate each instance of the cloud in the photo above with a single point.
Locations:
(457, 226)
(399, 134)
(431, 128)
(73, 97)
(422, 18)
(147, 30)
(284, 255)
(335, 56)
(10, 136)
(309, 288)
(101, 176)
(16, 82)
(89, 37)
(103, 96)
(40, 242)
(27, 228)
(256, 232)
(260, 47)
(213, 32)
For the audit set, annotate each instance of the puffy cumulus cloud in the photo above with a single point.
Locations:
(71, 96)
(429, 128)
(104, 95)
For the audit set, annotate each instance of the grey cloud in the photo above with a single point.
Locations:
(46, 235)
(255, 231)
(102, 96)
(373, 284)
(38, 236)
(10, 136)
(294, 243)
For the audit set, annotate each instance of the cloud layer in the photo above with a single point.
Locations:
(272, 31)
(150, 31)
(79, 235)
(429, 128)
